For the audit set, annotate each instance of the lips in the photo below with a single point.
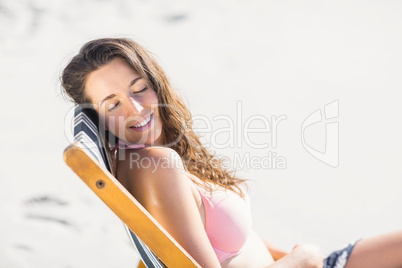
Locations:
(144, 124)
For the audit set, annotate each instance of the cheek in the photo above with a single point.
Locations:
(153, 100)
(114, 122)
(152, 97)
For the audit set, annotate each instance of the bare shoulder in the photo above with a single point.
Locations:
(148, 172)
(149, 159)
(157, 179)
(160, 156)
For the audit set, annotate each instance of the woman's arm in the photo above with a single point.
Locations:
(301, 256)
(160, 184)
(275, 251)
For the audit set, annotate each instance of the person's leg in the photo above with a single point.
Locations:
(382, 251)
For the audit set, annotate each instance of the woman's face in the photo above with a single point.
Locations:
(125, 103)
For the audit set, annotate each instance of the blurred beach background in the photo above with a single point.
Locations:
(272, 58)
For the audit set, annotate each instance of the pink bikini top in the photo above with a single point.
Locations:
(228, 221)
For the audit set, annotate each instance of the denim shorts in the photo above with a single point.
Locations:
(338, 259)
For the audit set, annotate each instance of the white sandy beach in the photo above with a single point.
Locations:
(275, 58)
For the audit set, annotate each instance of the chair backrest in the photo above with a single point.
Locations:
(89, 147)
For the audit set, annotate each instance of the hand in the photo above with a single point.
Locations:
(308, 255)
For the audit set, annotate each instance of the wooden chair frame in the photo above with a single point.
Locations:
(126, 207)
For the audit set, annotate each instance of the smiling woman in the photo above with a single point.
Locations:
(128, 109)
(200, 203)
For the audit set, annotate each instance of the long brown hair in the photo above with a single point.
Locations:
(176, 118)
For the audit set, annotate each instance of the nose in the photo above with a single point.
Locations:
(134, 107)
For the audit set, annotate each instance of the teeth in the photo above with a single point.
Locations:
(143, 123)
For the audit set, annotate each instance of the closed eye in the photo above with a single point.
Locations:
(139, 91)
(113, 106)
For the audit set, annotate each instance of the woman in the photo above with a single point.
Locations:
(161, 161)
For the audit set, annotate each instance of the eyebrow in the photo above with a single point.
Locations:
(107, 98)
(114, 95)
(134, 81)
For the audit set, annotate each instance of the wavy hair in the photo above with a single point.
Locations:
(177, 124)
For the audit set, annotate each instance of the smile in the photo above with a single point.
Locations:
(143, 123)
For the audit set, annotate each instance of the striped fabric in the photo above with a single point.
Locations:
(87, 133)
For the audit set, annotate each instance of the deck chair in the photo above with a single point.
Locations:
(90, 160)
